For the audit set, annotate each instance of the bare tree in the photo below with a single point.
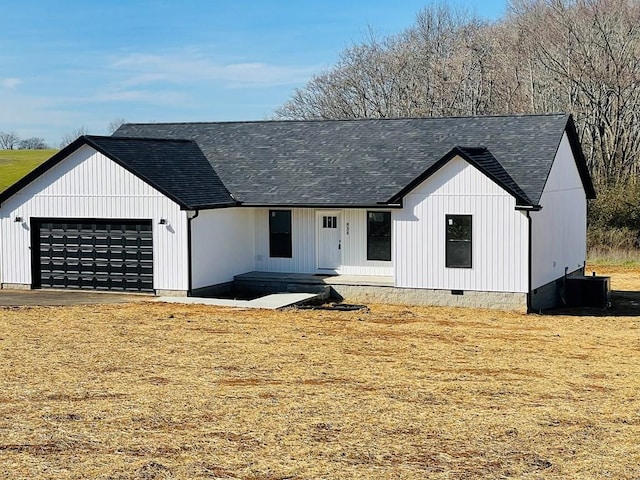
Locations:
(418, 72)
(9, 140)
(33, 143)
(591, 53)
(72, 136)
(115, 125)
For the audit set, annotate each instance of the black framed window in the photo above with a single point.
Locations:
(280, 233)
(458, 254)
(379, 236)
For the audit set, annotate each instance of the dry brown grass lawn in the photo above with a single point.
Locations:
(152, 391)
(623, 277)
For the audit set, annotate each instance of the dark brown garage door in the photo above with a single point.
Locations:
(93, 254)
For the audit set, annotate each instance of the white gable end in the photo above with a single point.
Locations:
(458, 177)
(559, 230)
(84, 173)
(500, 233)
(89, 185)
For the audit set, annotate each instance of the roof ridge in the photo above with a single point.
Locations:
(147, 139)
(345, 120)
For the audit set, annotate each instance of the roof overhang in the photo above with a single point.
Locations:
(529, 208)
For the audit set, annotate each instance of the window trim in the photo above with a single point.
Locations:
(274, 247)
(449, 240)
(390, 247)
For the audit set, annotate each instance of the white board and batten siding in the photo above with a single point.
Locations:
(88, 184)
(355, 246)
(353, 238)
(222, 243)
(559, 230)
(499, 234)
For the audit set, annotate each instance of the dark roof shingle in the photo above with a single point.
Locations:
(177, 168)
(364, 162)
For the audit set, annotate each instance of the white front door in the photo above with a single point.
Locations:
(328, 239)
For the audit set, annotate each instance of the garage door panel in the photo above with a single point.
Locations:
(96, 255)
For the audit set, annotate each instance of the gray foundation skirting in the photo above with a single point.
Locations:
(419, 296)
(542, 298)
(171, 293)
(15, 286)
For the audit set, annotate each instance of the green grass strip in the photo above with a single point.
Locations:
(15, 164)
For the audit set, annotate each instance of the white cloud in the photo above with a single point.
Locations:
(189, 68)
(36, 116)
(143, 87)
(10, 82)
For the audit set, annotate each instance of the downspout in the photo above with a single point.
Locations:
(189, 255)
(530, 262)
(1, 250)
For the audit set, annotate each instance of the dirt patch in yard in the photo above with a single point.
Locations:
(158, 391)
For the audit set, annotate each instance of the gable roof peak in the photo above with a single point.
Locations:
(482, 159)
(175, 167)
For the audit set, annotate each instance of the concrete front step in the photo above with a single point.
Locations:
(266, 286)
(270, 302)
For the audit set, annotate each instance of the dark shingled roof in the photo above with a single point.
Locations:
(371, 161)
(486, 162)
(330, 162)
(177, 168)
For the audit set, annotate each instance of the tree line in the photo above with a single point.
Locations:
(11, 141)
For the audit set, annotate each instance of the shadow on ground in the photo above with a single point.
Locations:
(623, 304)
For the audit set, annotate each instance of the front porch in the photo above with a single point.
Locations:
(369, 289)
(328, 286)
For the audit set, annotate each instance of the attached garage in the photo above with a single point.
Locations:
(109, 214)
(93, 254)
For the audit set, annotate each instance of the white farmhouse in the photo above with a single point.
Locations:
(482, 211)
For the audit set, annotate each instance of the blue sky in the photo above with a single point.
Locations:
(68, 64)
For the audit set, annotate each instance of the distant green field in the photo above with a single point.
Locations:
(15, 164)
